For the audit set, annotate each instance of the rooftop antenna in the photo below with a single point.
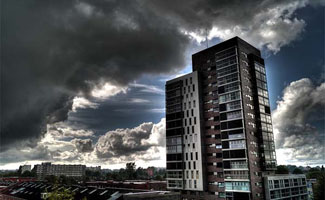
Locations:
(206, 37)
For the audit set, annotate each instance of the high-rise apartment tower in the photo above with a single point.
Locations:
(218, 125)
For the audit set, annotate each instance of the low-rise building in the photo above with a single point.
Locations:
(47, 169)
(286, 187)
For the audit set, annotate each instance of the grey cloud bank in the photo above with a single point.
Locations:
(53, 52)
(299, 122)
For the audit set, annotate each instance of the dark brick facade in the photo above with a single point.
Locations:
(235, 121)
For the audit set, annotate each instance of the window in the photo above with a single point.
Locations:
(226, 53)
(174, 149)
(238, 165)
(231, 124)
(240, 185)
(237, 144)
(228, 88)
(230, 106)
(260, 76)
(261, 84)
(194, 104)
(229, 97)
(234, 115)
(228, 79)
(259, 68)
(226, 62)
(174, 141)
(262, 92)
(193, 88)
(196, 156)
(263, 100)
(227, 70)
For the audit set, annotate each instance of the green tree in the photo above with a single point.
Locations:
(297, 171)
(10, 173)
(159, 178)
(52, 179)
(130, 170)
(320, 187)
(28, 174)
(60, 195)
(282, 169)
(313, 173)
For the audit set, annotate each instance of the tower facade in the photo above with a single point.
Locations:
(232, 139)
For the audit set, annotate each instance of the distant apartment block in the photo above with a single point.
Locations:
(46, 169)
(24, 168)
(219, 135)
(286, 187)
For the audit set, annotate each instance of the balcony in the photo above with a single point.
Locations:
(236, 176)
(241, 186)
(236, 136)
(238, 166)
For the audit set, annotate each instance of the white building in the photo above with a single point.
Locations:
(186, 144)
(47, 169)
(288, 187)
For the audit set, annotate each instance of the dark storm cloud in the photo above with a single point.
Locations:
(53, 51)
(298, 121)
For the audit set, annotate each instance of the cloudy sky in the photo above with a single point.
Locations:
(82, 81)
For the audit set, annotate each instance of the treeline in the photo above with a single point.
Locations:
(130, 172)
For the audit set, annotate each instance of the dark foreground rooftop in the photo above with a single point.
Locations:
(35, 190)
